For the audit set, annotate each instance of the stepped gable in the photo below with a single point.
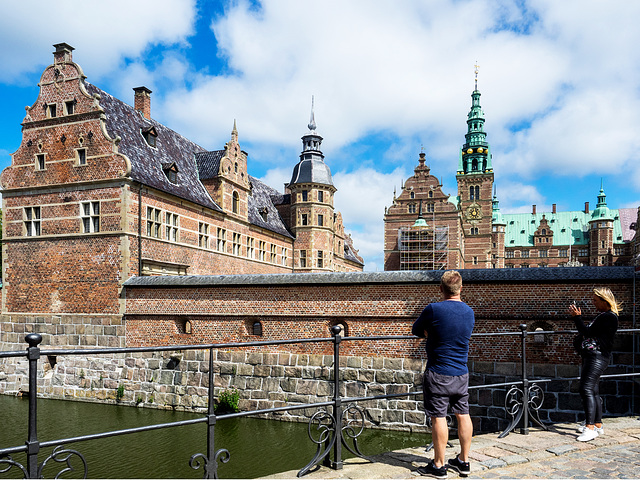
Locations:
(147, 162)
(261, 199)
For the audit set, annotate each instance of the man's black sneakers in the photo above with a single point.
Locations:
(430, 470)
(459, 466)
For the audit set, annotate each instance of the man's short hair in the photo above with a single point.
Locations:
(451, 282)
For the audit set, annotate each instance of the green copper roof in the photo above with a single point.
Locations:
(569, 228)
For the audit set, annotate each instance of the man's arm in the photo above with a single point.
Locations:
(419, 328)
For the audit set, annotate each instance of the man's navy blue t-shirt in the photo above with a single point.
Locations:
(448, 325)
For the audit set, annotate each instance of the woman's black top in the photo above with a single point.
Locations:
(603, 329)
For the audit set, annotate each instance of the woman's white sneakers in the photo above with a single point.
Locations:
(588, 434)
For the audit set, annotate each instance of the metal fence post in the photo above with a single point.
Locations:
(212, 465)
(33, 446)
(337, 463)
(525, 383)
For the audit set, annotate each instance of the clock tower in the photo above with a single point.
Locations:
(475, 187)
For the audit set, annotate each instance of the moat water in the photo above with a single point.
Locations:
(257, 447)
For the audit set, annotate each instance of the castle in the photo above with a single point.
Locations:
(425, 229)
(98, 191)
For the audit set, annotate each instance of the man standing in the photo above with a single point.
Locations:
(447, 325)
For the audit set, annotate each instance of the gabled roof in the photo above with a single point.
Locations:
(261, 198)
(146, 161)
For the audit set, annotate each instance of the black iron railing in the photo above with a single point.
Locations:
(336, 424)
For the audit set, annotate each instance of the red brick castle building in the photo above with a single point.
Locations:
(99, 191)
(426, 229)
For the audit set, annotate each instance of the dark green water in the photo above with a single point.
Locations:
(257, 447)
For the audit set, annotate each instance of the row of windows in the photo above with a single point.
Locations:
(89, 215)
(81, 158)
(429, 207)
(220, 244)
(51, 109)
(412, 195)
(305, 259)
(304, 219)
(305, 197)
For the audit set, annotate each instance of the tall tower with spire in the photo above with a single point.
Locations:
(601, 232)
(475, 186)
(312, 213)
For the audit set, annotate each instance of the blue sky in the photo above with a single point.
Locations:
(559, 83)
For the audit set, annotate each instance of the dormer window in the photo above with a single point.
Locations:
(263, 213)
(150, 135)
(51, 110)
(82, 156)
(171, 171)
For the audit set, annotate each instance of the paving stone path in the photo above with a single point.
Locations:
(552, 453)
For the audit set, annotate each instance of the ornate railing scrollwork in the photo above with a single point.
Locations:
(324, 437)
(515, 406)
(210, 469)
(63, 455)
(7, 463)
(353, 426)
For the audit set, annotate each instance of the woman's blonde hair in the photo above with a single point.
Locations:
(605, 294)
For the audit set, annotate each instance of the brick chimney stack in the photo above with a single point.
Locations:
(142, 101)
(63, 53)
(553, 208)
(586, 207)
(534, 210)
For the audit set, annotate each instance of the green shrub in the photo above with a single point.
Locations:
(228, 401)
(119, 393)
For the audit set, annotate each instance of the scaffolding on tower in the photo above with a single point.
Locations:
(423, 247)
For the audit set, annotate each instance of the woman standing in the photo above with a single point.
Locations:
(596, 345)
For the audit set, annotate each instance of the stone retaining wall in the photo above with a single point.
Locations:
(179, 380)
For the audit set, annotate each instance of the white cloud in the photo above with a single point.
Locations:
(103, 33)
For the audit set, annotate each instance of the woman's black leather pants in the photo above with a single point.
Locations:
(593, 365)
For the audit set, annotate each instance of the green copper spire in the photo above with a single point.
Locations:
(496, 216)
(420, 222)
(602, 212)
(475, 156)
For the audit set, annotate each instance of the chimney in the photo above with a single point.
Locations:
(534, 210)
(553, 208)
(63, 53)
(142, 101)
(586, 207)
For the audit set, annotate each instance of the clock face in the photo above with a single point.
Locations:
(474, 212)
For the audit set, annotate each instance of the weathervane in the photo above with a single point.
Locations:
(476, 72)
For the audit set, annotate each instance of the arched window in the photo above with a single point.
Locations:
(544, 231)
(472, 193)
(235, 168)
(257, 328)
(430, 193)
(412, 195)
(236, 202)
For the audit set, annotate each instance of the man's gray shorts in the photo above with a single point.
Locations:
(440, 391)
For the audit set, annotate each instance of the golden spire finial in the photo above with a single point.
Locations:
(476, 72)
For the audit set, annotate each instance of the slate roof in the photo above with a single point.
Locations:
(259, 199)
(146, 161)
(209, 163)
(569, 228)
(490, 275)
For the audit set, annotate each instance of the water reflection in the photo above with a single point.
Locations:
(258, 447)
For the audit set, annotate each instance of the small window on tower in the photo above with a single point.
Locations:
(82, 156)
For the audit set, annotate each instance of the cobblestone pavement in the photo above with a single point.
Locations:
(616, 461)
(552, 453)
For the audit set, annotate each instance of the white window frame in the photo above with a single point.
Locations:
(171, 226)
(154, 216)
(221, 239)
(90, 215)
(32, 221)
(203, 235)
